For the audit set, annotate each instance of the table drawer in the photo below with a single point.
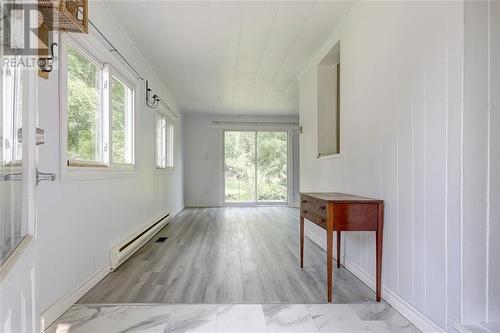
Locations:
(355, 216)
(316, 219)
(317, 207)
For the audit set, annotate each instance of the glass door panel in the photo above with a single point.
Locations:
(239, 166)
(13, 224)
(272, 166)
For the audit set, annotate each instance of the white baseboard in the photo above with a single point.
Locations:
(420, 320)
(322, 244)
(424, 323)
(315, 238)
(202, 206)
(64, 303)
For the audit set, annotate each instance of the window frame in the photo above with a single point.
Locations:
(14, 163)
(170, 132)
(128, 84)
(97, 52)
(104, 138)
(289, 166)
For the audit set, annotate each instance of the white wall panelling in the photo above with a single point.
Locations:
(481, 220)
(79, 221)
(494, 171)
(401, 142)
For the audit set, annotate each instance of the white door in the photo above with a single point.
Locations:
(18, 181)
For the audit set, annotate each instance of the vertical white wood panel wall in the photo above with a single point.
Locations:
(481, 220)
(400, 141)
(494, 216)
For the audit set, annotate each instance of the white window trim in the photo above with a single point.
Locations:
(167, 170)
(93, 48)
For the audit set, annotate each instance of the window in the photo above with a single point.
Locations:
(99, 114)
(13, 221)
(164, 142)
(122, 106)
(85, 112)
(329, 103)
(12, 120)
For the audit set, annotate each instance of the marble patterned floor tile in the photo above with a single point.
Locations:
(343, 318)
(334, 318)
(88, 319)
(236, 318)
(241, 318)
(386, 313)
(288, 318)
(199, 318)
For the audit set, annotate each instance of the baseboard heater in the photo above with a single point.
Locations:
(122, 251)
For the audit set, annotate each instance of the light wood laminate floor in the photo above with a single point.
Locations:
(228, 255)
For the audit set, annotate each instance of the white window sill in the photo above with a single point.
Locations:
(329, 157)
(70, 173)
(164, 171)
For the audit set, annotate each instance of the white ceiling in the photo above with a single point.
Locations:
(235, 57)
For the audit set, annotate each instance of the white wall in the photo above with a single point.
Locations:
(401, 142)
(203, 156)
(481, 221)
(79, 221)
(494, 170)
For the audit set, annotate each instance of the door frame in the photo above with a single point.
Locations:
(256, 129)
(30, 96)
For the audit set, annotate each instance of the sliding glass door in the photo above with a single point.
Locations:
(272, 166)
(239, 166)
(255, 167)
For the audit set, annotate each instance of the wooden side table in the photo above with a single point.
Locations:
(342, 212)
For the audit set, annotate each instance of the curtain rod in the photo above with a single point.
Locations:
(114, 49)
(168, 107)
(253, 123)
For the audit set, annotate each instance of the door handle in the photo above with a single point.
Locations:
(44, 176)
(13, 177)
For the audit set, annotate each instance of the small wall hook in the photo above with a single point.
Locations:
(151, 101)
(46, 63)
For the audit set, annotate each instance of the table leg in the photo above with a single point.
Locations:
(338, 248)
(379, 236)
(301, 241)
(329, 259)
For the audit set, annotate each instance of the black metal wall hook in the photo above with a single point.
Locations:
(46, 63)
(151, 101)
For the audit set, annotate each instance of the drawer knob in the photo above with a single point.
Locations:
(304, 201)
(321, 207)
